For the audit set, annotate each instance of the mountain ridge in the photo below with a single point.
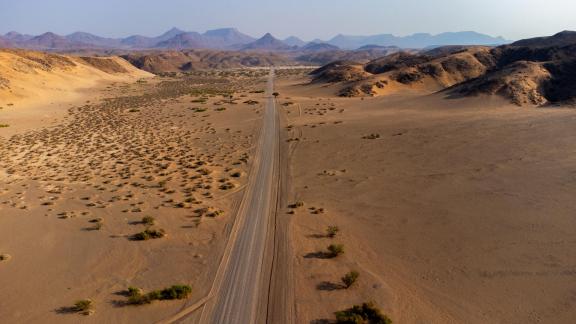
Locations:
(233, 39)
(538, 71)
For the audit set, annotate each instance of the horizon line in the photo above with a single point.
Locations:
(257, 37)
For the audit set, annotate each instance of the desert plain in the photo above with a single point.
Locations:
(450, 209)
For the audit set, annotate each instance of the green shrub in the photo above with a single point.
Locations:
(175, 292)
(367, 313)
(149, 234)
(227, 186)
(98, 223)
(148, 220)
(4, 125)
(331, 231)
(139, 300)
(335, 250)
(297, 204)
(134, 291)
(350, 278)
(137, 297)
(371, 136)
(84, 306)
(215, 213)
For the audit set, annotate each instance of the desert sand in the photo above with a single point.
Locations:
(451, 210)
(76, 186)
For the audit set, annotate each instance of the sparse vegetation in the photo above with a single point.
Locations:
(215, 213)
(4, 125)
(317, 211)
(209, 212)
(371, 136)
(98, 223)
(227, 186)
(149, 234)
(5, 257)
(335, 250)
(367, 313)
(134, 291)
(136, 296)
(84, 307)
(331, 231)
(204, 171)
(297, 204)
(148, 220)
(350, 278)
(276, 94)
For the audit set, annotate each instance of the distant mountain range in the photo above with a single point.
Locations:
(269, 43)
(232, 39)
(420, 40)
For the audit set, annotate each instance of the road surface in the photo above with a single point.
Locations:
(242, 281)
(253, 282)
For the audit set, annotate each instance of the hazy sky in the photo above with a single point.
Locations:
(308, 19)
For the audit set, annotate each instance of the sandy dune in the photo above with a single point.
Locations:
(36, 77)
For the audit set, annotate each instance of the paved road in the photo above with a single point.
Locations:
(242, 280)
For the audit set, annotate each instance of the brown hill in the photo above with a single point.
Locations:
(520, 81)
(561, 39)
(361, 55)
(189, 60)
(340, 71)
(536, 71)
(406, 71)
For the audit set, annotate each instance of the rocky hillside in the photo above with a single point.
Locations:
(365, 54)
(536, 71)
(182, 61)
